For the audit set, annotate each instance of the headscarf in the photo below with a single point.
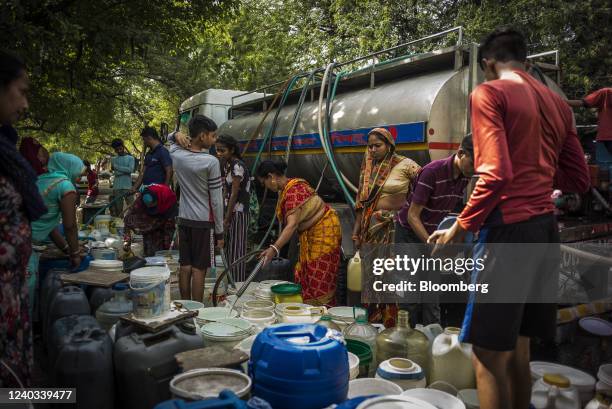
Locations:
(62, 166)
(164, 196)
(29, 149)
(369, 189)
(15, 168)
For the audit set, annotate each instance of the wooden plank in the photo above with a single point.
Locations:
(94, 278)
(159, 323)
(210, 357)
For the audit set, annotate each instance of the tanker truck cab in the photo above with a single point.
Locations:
(214, 103)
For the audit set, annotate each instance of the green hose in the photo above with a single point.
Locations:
(327, 147)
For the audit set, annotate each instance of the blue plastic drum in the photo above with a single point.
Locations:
(299, 366)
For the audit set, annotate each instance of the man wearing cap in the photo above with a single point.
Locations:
(438, 190)
(122, 166)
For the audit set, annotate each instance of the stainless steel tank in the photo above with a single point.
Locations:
(422, 100)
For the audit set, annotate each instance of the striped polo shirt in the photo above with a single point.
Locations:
(437, 191)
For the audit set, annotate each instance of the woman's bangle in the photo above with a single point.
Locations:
(65, 248)
(76, 253)
(355, 237)
(275, 249)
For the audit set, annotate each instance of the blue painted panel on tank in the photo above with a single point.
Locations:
(403, 133)
(298, 366)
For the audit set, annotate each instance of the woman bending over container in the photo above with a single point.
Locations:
(384, 181)
(153, 215)
(57, 187)
(300, 209)
(236, 198)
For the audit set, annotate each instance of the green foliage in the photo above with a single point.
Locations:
(102, 69)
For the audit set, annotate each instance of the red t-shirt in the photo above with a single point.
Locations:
(602, 100)
(524, 144)
(92, 178)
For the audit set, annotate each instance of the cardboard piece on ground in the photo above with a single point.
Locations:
(94, 278)
(210, 357)
(159, 323)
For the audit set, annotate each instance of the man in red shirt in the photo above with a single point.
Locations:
(525, 144)
(602, 100)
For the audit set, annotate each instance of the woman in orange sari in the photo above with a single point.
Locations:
(384, 182)
(300, 209)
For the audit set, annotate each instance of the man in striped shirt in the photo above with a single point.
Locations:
(200, 205)
(437, 191)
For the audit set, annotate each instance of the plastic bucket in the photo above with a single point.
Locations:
(363, 352)
(150, 291)
(207, 383)
(102, 222)
(104, 254)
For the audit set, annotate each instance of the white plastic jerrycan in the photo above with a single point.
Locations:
(354, 273)
(452, 360)
(431, 331)
(554, 392)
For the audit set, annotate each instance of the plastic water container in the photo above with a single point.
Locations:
(207, 383)
(150, 291)
(51, 284)
(69, 300)
(119, 306)
(452, 360)
(259, 318)
(258, 305)
(361, 330)
(104, 254)
(402, 341)
(287, 292)
(226, 400)
(372, 386)
(145, 364)
(441, 400)
(102, 223)
(554, 392)
(402, 372)
(299, 366)
(354, 273)
(62, 332)
(364, 353)
(225, 332)
(86, 363)
(582, 381)
(470, 398)
(98, 296)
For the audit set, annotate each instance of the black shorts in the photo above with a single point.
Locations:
(195, 246)
(497, 326)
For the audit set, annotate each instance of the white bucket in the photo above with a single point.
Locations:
(104, 254)
(150, 291)
(226, 333)
(403, 372)
(102, 222)
(258, 305)
(259, 318)
(441, 400)
(353, 366)
(372, 386)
